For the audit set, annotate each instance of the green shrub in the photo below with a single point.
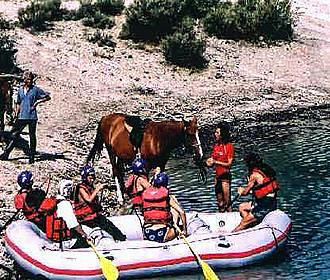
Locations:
(99, 20)
(251, 20)
(183, 47)
(110, 7)
(199, 8)
(86, 9)
(151, 20)
(101, 38)
(7, 47)
(39, 12)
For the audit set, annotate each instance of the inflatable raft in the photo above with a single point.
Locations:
(210, 237)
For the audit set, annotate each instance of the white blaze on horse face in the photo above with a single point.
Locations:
(199, 145)
(118, 192)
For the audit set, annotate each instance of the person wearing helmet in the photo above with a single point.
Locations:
(28, 98)
(222, 159)
(137, 182)
(87, 207)
(264, 187)
(25, 199)
(62, 226)
(158, 209)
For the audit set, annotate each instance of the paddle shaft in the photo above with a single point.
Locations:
(10, 220)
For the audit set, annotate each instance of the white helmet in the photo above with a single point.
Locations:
(65, 188)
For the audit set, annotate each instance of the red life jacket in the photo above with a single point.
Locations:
(56, 228)
(31, 213)
(269, 185)
(83, 210)
(131, 190)
(156, 206)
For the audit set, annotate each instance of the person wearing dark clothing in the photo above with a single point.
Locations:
(28, 98)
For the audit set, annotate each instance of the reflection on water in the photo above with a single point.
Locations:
(300, 153)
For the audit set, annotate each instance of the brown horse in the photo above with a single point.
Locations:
(158, 140)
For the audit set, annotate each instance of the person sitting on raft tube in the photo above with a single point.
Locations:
(137, 182)
(264, 187)
(25, 199)
(87, 207)
(62, 226)
(158, 206)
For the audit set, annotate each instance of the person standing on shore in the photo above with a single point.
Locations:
(222, 159)
(28, 98)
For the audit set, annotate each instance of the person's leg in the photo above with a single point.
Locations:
(33, 140)
(15, 133)
(219, 194)
(109, 227)
(226, 195)
(247, 216)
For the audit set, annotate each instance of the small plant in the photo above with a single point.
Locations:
(39, 13)
(101, 38)
(184, 48)
(110, 7)
(152, 20)
(99, 20)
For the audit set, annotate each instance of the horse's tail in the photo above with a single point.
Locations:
(97, 146)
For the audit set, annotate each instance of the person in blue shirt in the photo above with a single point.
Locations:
(28, 98)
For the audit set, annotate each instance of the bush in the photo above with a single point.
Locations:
(39, 12)
(199, 8)
(101, 38)
(183, 48)
(7, 48)
(152, 20)
(251, 20)
(110, 7)
(99, 20)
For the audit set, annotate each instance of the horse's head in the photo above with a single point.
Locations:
(192, 139)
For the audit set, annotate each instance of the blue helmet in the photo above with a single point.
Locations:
(138, 166)
(161, 179)
(87, 171)
(25, 179)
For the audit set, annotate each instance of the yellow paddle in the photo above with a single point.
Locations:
(109, 271)
(209, 274)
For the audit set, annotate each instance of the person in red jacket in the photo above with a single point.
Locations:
(158, 206)
(87, 207)
(264, 187)
(222, 159)
(137, 182)
(26, 198)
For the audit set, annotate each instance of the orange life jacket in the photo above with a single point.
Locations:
(269, 185)
(56, 228)
(83, 210)
(31, 213)
(156, 206)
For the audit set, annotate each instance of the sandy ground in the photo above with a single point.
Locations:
(241, 80)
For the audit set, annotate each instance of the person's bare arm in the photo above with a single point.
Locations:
(176, 206)
(247, 189)
(90, 198)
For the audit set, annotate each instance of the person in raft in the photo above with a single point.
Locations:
(264, 187)
(87, 206)
(137, 182)
(62, 226)
(26, 197)
(159, 211)
(222, 159)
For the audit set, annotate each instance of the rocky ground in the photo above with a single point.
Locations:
(86, 82)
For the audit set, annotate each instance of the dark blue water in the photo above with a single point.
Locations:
(299, 150)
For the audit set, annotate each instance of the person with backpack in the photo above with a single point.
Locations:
(264, 187)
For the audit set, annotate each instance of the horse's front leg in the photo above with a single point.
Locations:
(119, 179)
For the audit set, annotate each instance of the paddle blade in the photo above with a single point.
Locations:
(209, 274)
(110, 272)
